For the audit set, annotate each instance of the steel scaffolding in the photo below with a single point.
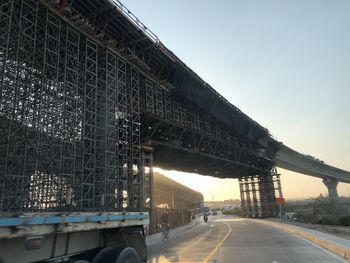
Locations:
(78, 110)
(168, 120)
(258, 194)
(70, 117)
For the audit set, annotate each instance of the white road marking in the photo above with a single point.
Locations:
(228, 219)
(323, 249)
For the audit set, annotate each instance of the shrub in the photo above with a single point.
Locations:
(306, 217)
(344, 220)
(235, 211)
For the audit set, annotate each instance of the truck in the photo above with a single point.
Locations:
(74, 177)
(74, 237)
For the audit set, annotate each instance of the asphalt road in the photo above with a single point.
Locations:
(234, 240)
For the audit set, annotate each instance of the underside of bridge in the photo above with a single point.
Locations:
(90, 99)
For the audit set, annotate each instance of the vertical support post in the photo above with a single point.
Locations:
(331, 185)
(243, 200)
(147, 174)
(134, 189)
(148, 186)
(247, 194)
(100, 195)
(267, 196)
(254, 190)
(6, 16)
(71, 109)
(123, 135)
(89, 126)
(112, 136)
(263, 190)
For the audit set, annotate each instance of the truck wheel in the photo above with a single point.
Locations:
(128, 255)
(91, 254)
(117, 255)
(105, 255)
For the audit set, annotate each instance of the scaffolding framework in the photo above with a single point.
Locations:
(258, 194)
(77, 112)
(168, 120)
(70, 117)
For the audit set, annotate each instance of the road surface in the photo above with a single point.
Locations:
(235, 240)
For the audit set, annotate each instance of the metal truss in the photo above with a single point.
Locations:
(169, 121)
(135, 170)
(112, 136)
(147, 172)
(89, 125)
(12, 17)
(69, 117)
(74, 116)
(123, 142)
(258, 194)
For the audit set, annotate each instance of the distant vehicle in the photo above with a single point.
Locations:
(206, 210)
(214, 213)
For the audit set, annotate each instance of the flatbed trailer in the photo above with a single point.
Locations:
(74, 237)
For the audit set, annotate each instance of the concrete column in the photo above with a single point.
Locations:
(331, 184)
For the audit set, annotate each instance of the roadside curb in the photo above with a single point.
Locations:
(340, 250)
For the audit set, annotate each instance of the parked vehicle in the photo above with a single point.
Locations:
(93, 237)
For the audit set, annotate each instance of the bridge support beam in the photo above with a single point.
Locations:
(331, 184)
(267, 196)
(258, 194)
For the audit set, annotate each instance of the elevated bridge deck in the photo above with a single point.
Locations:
(292, 160)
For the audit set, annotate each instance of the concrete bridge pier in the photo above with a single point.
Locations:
(331, 184)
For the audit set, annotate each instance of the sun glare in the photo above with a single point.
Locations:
(213, 189)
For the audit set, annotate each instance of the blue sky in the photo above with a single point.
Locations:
(284, 63)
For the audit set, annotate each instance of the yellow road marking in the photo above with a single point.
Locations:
(193, 243)
(218, 245)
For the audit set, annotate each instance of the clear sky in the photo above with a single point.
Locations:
(284, 63)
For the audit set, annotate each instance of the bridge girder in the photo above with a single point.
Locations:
(177, 147)
(292, 160)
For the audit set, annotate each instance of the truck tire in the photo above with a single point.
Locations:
(117, 255)
(91, 254)
(105, 255)
(137, 241)
(128, 255)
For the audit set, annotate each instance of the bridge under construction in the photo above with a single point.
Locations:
(91, 100)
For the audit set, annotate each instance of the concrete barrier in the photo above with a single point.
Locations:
(341, 250)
